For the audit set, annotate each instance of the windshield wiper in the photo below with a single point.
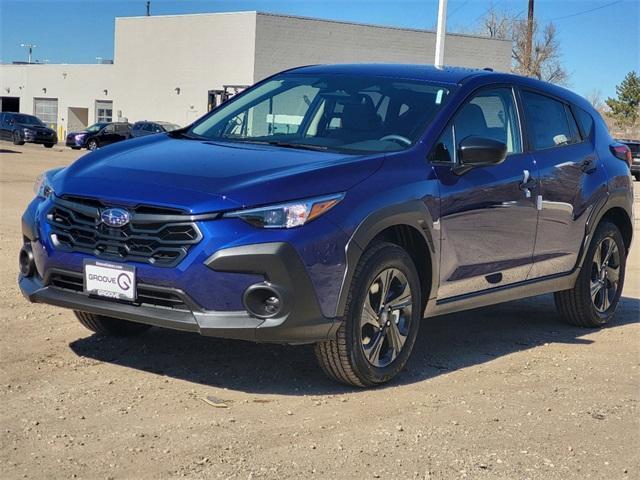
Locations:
(183, 133)
(299, 146)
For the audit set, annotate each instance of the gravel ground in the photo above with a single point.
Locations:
(505, 392)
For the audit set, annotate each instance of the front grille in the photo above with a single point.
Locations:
(147, 295)
(158, 236)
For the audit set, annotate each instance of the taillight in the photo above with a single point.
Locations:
(622, 152)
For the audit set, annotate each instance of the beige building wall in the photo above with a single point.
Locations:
(154, 56)
(73, 86)
(284, 42)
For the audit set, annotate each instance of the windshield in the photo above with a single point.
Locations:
(95, 127)
(27, 120)
(327, 112)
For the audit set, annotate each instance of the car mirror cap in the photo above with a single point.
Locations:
(475, 151)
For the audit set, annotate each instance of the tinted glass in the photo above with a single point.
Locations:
(546, 121)
(443, 150)
(327, 112)
(585, 120)
(137, 126)
(490, 114)
(27, 120)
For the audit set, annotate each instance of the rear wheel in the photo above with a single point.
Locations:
(49, 145)
(637, 175)
(17, 140)
(593, 300)
(381, 322)
(110, 326)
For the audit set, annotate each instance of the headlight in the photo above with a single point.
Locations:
(42, 187)
(288, 215)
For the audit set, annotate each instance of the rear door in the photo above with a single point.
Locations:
(569, 175)
(488, 219)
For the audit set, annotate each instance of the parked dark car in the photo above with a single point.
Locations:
(21, 128)
(143, 128)
(101, 134)
(634, 148)
(78, 140)
(339, 205)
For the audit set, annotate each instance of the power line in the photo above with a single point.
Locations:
(585, 11)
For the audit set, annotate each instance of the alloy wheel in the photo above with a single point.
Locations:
(386, 317)
(605, 274)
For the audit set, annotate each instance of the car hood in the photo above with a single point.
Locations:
(199, 176)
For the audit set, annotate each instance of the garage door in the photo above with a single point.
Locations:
(46, 109)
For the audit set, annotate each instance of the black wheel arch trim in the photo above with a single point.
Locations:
(413, 214)
(619, 198)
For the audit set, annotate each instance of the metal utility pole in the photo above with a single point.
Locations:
(30, 46)
(441, 32)
(148, 8)
(529, 40)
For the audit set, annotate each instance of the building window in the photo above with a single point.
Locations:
(46, 109)
(104, 111)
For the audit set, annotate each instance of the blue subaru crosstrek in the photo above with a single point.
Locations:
(339, 205)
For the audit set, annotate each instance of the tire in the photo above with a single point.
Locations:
(75, 148)
(16, 139)
(637, 176)
(92, 145)
(110, 326)
(49, 145)
(351, 357)
(578, 306)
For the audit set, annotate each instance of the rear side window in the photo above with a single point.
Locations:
(137, 126)
(547, 122)
(585, 120)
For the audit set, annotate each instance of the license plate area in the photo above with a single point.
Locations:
(110, 280)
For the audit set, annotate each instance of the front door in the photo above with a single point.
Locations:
(488, 217)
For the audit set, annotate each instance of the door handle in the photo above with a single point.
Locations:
(528, 183)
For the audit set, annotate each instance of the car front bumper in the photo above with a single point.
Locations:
(299, 321)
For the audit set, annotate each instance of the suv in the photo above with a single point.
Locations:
(634, 148)
(339, 205)
(140, 129)
(102, 134)
(21, 128)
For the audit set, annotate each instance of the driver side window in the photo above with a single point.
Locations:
(491, 113)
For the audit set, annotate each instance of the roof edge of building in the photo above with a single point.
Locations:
(317, 19)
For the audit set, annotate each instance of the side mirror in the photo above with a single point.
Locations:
(479, 152)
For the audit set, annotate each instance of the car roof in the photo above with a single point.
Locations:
(446, 74)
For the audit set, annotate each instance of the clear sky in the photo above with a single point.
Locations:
(600, 40)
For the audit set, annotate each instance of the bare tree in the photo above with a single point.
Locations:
(595, 98)
(544, 62)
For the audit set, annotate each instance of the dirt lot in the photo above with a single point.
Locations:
(506, 392)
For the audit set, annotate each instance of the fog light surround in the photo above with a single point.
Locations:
(263, 300)
(26, 261)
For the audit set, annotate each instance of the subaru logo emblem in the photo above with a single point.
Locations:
(114, 217)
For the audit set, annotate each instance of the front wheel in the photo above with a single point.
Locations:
(381, 321)
(17, 140)
(593, 300)
(92, 145)
(110, 326)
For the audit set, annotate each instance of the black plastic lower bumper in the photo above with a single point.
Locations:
(300, 322)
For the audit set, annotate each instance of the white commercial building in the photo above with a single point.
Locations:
(176, 67)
